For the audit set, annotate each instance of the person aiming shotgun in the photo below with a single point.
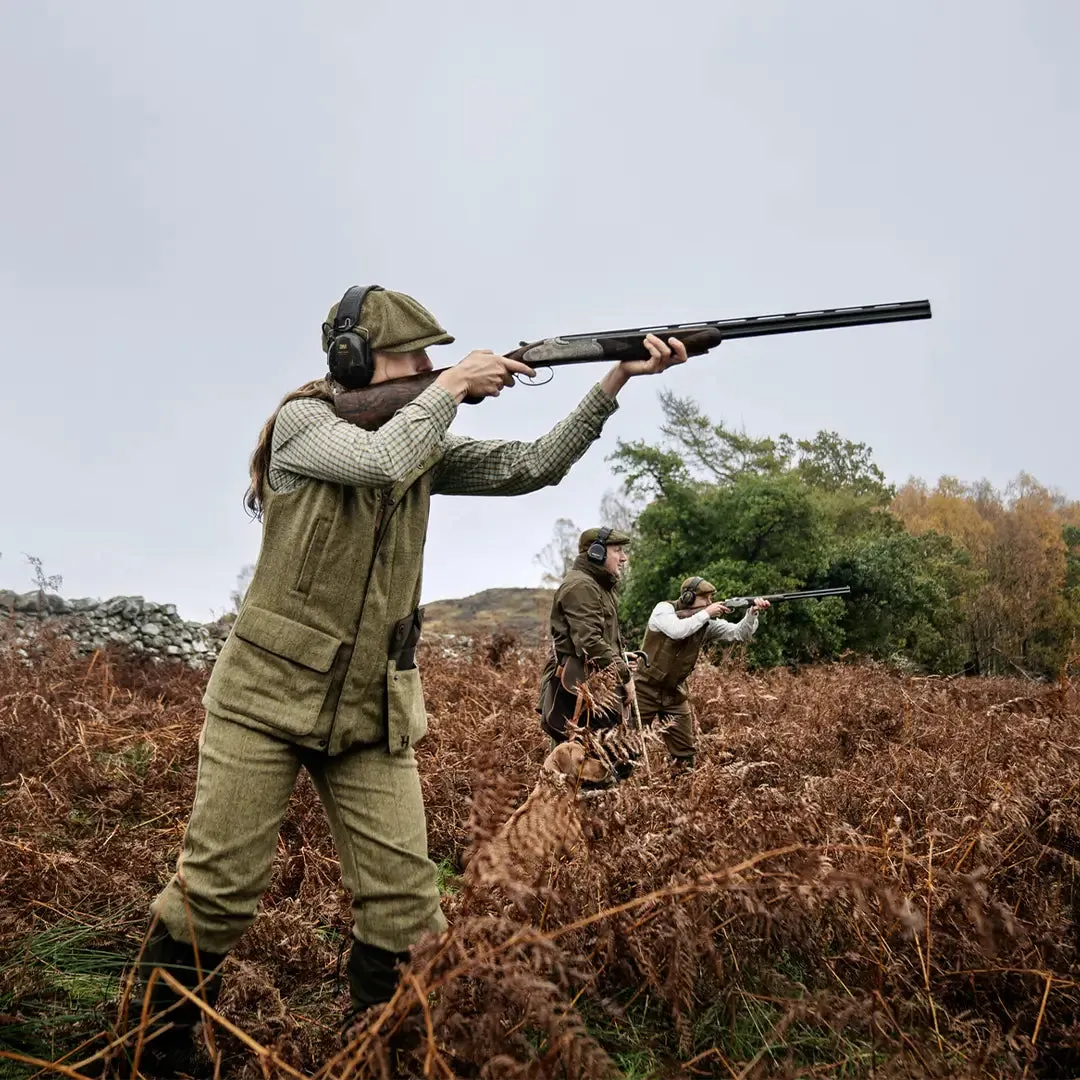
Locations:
(319, 669)
(673, 644)
(673, 640)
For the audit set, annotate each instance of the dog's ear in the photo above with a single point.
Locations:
(593, 771)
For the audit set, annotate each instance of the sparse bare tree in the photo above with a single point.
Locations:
(243, 580)
(44, 583)
(556, 558)
(619, 511)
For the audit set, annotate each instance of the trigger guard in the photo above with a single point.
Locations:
(527, 380)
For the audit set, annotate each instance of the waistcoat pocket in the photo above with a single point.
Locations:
(274, 670)
(313, 555)
(406, 719)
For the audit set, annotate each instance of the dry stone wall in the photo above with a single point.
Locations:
(130, 622)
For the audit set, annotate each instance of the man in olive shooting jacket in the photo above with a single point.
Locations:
(587, 682)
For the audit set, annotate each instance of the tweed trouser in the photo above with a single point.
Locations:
(373, 801)
(674, 717)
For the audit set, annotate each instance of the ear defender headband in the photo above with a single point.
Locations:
(348, 354)
(688, 594)
(597, 550)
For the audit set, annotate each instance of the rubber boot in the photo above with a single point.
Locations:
(175, 1051)
(373, 979)
(373, 976)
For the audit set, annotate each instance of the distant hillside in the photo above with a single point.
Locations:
(521, 611)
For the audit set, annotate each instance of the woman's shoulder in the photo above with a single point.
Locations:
(300, 414)
(306, 410)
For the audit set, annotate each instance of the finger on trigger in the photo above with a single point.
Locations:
(518, 367)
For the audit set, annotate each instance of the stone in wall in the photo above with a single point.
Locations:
(131, 622)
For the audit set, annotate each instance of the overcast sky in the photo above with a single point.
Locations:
(186, 188)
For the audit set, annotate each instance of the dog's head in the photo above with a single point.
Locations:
(571, 761)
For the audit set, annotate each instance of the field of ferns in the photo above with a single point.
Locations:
(868, 874)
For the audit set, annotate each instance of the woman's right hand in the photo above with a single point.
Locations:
(482, 374)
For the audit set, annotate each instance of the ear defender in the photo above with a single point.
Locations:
(597, 550)
(690, 592)
(348, 354)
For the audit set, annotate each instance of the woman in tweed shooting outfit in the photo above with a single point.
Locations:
(318, 671)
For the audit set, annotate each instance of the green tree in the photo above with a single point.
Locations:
(758, 515)
(756, 534)
(904, 597)
(1071, 536)
(961, 577)
(829, 463)
(714, 449)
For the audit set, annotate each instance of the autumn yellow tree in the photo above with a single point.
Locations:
(1018, 612)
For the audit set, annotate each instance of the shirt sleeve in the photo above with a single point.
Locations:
(492, 467)
(663, 620)
(585, 620)
(312, 441)
(743, 630)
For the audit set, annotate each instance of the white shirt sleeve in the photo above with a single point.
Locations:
(663, 620)
(743, 630)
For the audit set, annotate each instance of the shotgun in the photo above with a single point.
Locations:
(372, 406)
(736, 602)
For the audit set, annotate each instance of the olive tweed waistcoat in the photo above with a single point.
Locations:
(320, 652)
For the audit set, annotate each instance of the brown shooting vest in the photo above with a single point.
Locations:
(670, 661)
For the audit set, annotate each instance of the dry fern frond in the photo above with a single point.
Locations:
(884, 863)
